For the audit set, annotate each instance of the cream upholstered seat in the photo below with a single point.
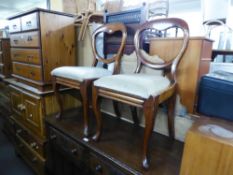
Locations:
(144, 90)
(141, 85)
(80, 73)
(81, 78)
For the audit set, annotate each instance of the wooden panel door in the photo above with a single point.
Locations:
(33, 116)
(17, 104)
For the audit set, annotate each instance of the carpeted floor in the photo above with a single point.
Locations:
(10, 164)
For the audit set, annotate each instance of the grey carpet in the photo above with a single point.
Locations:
(10, 164)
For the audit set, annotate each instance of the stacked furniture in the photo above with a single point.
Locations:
(40, 41)
(5, 61)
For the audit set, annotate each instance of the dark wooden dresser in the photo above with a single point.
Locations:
(118, 152)
(40, 41)
(5, 59)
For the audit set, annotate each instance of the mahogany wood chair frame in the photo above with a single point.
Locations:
(85, 86)
(149, 105)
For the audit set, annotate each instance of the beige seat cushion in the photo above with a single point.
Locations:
(142, 85)
(80, 73)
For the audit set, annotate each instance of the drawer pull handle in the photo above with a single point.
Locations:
(99, 169)
(18, 131)
(29, 38)
(32, 73)
(28, 23)
(74, 151)
(21, 107)
(29, 56)
(15, 41)
(14, 26)
(53, 137)
(34, 145)
(34, 159)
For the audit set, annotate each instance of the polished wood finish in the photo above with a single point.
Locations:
(43, 42)
(26, 55)
(5, 59)
(195, 63)
(85, 85)
(206, 153)
(118, 153)
(149, 105)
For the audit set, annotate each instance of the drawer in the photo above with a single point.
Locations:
(35, 161)
(33, 114)
(100, 167)
(26, 55)
(17, 105)
(27, 71)
(21, 69)
(29, 140)
(28, 39)
(67, 145)
(29, 22)
(15, 25)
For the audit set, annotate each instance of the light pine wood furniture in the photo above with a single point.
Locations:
(194, 64)
(5, 59)
(208, 148)
(143, 90)
(82, 77)
(40, 41)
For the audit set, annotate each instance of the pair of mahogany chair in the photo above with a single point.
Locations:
(136, 89)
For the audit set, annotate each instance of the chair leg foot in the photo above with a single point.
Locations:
(96, 108)
(145, 163)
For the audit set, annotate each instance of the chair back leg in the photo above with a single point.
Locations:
(96, 108)
(171, 116)
(116, 109)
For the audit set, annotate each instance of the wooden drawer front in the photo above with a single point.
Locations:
(100, 167)
(21, 69)
(67, 145)
(27, 71)
(14, 25)
(29, 39)
(26, 55)
(33, 116)
(35, 73)
(27, 138)
(31, 157)
(29, 22)
(17, 104)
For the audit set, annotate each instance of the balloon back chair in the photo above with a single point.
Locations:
(81, 77)
(147, 91)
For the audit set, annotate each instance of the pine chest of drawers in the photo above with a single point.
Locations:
(40, 41)
(5, 60)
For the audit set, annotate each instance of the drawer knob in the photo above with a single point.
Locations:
(99, 169)
(15, 41)
(29, 38)
(53, 137)
(74, 151)
(14, 26)
(18, 131)
(33, 144)
(28, 23)
(30, 115)
(34, 159)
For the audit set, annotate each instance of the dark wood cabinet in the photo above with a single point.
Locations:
(118, 152)
(5, 59)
